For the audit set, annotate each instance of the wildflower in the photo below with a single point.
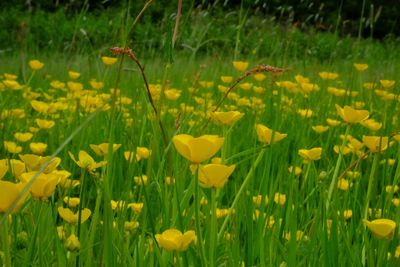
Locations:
(360, 67)
(142, 153)
(197, 149)
(72, 202)
(109, 60)
(12, 147)
(102, 149)
(320, 128)
(3, 167)
(381, 228)
(130, 225)
(389, 188)
(172, 94)
(305, 113)
(351, 115)
(343, 184)
(259, 77)
(371, 124)
(34, 162)
(301, 79)
(246, 86)
(73, 218)
(14, 85)
(73, 74)
(328, 75)
(214, 175)
(174, 240)
(23, 137)
(311, 154)
(45, 124)
(96, 84)
(9, 193)
(332, 122)
(221, 213)
(72, 243)
(140, 180)
(387, 83)
(376, 143)
(226, 118)
(280, 199)
(257, 200)
(86, 162)
(226, 79)
(43, 186)
(265, 134)
(297, 170)
(136, 207)
(240, 65)
(38, 148)
(35, 64)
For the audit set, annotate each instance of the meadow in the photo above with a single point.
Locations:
(243, 157)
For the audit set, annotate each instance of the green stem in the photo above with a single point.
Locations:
(81, 197)
(95, 219)
(371, 184)
(213, 231)
(197, 218)
(337, 168)
(6, 243)
(241, 190)
(30, 78)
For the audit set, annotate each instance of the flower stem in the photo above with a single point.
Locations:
(6, 243)
(197, 220)
(371, 182)
(337, 168)
(241, 190)
(213, 230)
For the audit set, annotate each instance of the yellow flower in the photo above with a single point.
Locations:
(332, 122)
(214, 175)
(3, 167)
(387, 83)
(347, 214)
(343, 184)
(265, 134)
(351, 115)
(389, 188)
(43, 186)
(280, 199)
(198, 149)
(136, 207)
(240, 65)
(102, 149)
(376, 143)
(297, 170)
(305, 113)
(96, 84)
(86, 162)
(9, 193)
(38, 148)
(311, 154)
(320, 128)
(140, 180)
(226, 118)
(328, 75)
(73, 74)
(174, 240)
(35, 64)
(12, 147)
(73, 218)
(130, 225)
(172, 94)
(381, 228)
(371, 124)
(257, 200)
(226, 79)
(259, 77)
(23, 137)
(142, 153)
(45, 124)
(14, 85)
(72, 202)
(109, 60)
(72, 243)
(301, 79)
(34, 162)
(360, 66)
(246, 86)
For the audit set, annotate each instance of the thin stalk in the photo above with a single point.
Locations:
(371, 183)
(240, 192)
(197, 220)
(6, 244)
(337, 168)
(213, 231)
(81, 197)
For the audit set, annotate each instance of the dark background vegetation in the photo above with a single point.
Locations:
(307, 27)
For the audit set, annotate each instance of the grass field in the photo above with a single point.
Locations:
(216, 161)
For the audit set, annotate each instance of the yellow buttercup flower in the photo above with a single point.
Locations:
(198, 149)
(34, 162)
(73, 74)
(174, 240)
(311, 154)
(12, 147)
(44, 185)
(280, 199)
(259, 77)
(136, 207)
(376, 143)
(297, 170)
(72, 202)
(360, 67)
(301, 79)
(3, 167)
(102, 149)
(109, 60)
(320, 128)
(142, 153)
(387, 83)
(40, 106)
(226, 118)
(381, 228)
(23, 137)
(45, 124)
(38, 148)
(73, 218)
(9, 193)
(226, 79)
(240, 65)
(343, 184)
(265, 134)
(371, 124)
(351, 115)
(328, 75)
(72, 243)
(257, 200)
(36, 64)
(214, 175)
(86, 162)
